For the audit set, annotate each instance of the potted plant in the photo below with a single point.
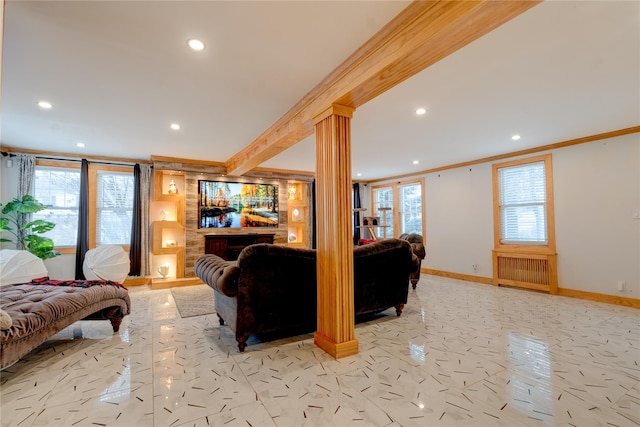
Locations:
(27, 236)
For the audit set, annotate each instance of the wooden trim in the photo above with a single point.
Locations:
(568, 143)
(203, 166)
(334, 110)
(458, 276)
(337, 350)
(137, 281)
(164, 159)
(74, 156)
(158, 283)
(57, 164)
(65, 249)
(285, 172)
(604, 298)
(565, 292)
(421, 35)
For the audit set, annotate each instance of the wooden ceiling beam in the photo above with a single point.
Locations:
(422, 34)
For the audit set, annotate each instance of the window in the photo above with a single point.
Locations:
(114, 208)
(60, 189)
(411, 208)
(523, 203)
(405, 214)
(57, 184)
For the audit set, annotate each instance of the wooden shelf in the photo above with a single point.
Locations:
(165, 182)
(298, 215)
(157, 228)
(173, 282)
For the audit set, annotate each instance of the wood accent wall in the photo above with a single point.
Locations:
(336, 322)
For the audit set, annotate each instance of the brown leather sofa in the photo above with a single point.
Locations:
(417, 246)
(272, 288)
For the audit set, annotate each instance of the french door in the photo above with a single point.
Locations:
(399, 206)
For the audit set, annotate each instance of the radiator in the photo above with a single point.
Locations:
(524, 270)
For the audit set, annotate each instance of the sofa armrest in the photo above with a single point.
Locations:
(218, 273)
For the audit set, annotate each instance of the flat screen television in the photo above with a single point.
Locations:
(225, 204)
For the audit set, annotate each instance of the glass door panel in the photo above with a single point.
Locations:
(410, 208)
(383, 198)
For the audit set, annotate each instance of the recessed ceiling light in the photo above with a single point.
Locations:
(45, 105)
(415, 162)
(195, 44)
(175, 126)
(421, 111)
(358, 174)
(515, 137)
(80, 144)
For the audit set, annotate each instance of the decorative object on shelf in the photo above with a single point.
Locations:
(292, 237)
(292, 192)
(171, 244)
(163, 270)
(297, 215)
(164, 214)
(172, 188)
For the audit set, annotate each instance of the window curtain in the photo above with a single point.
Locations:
(26, 174)
(82, 244)
(356, 215)
(139, 250)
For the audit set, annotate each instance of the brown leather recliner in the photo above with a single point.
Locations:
(418, 249)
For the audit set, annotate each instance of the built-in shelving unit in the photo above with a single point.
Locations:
(298, 215)
(167, 224)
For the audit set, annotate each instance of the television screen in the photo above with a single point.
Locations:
(237, 204)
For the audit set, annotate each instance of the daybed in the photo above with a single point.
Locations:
(272, 288)
(42, 308)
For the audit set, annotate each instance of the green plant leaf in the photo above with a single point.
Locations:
(27, 236)
(39, 226)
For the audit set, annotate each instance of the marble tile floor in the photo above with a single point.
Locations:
(461, 354)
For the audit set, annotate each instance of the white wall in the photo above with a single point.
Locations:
(596, 193)
(458, 219)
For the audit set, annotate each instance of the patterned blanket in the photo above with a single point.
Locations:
(74, 283)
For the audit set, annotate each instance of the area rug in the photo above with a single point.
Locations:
(193, 300)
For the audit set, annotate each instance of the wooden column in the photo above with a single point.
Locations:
(336, 323)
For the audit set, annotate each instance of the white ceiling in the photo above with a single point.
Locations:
(119, 72)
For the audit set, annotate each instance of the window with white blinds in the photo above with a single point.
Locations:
(523, 204)
(114, 208)
(59, 189)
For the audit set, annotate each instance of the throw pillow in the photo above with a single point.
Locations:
(5, 320)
